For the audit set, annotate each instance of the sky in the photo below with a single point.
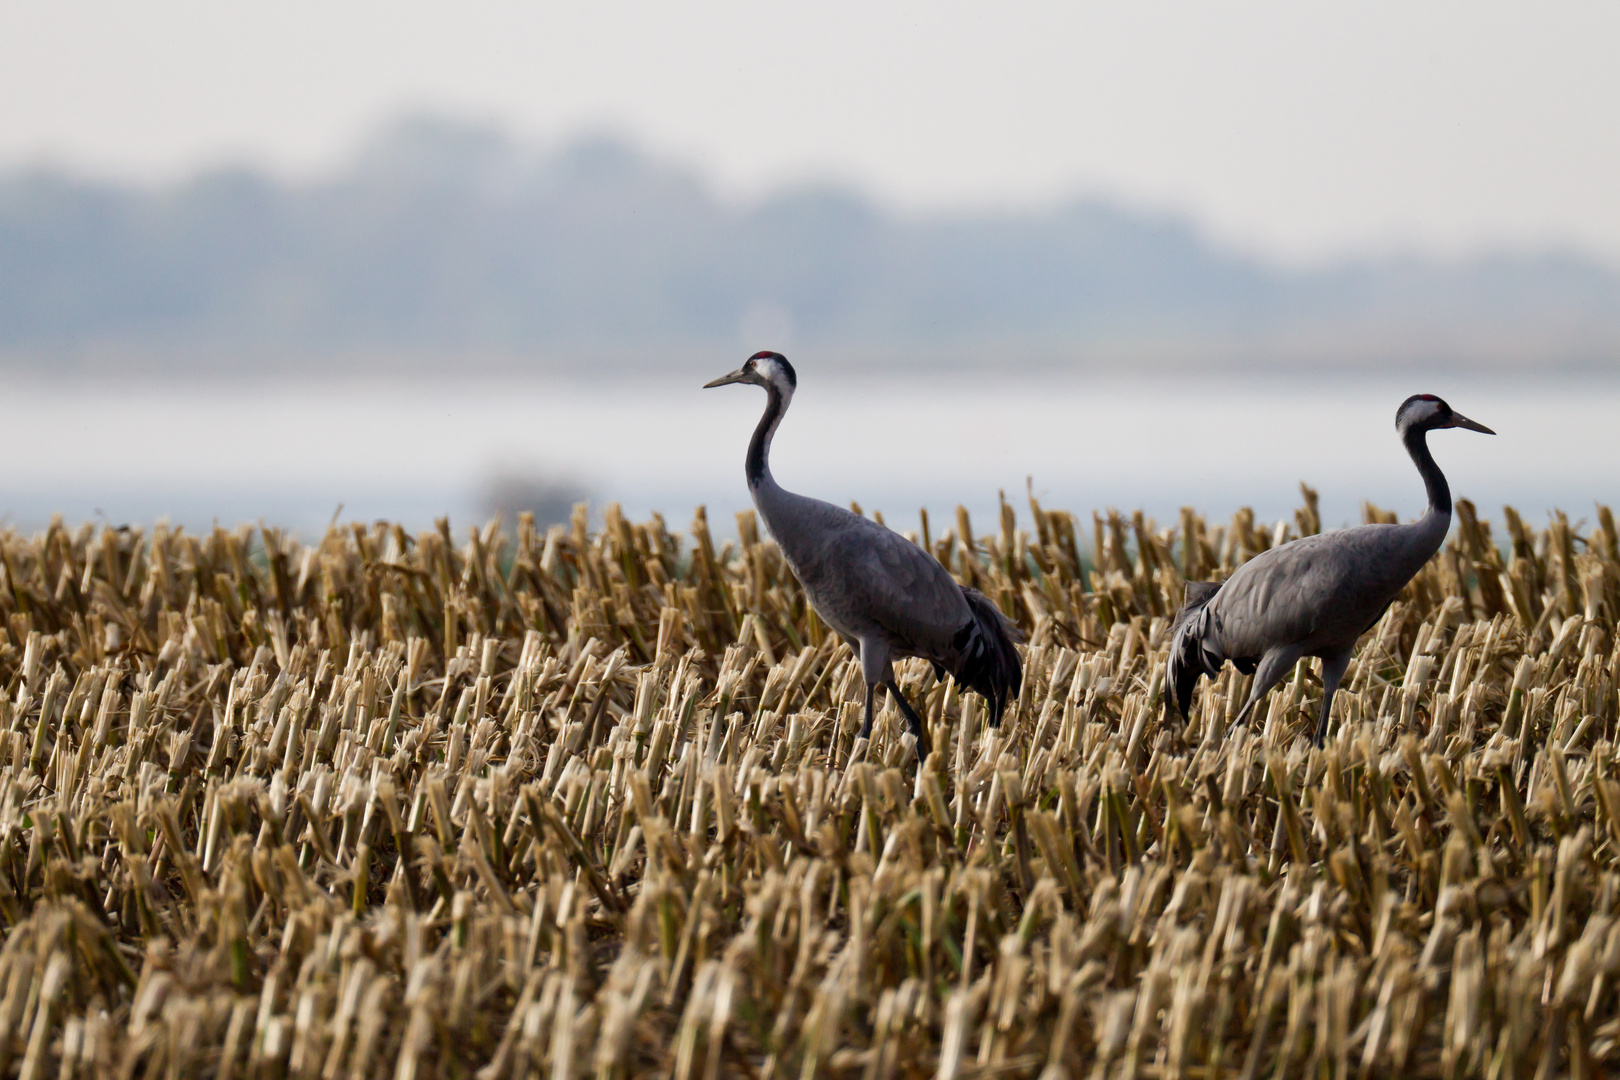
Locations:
(1302, 132)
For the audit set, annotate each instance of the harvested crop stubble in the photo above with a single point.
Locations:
(638, 838)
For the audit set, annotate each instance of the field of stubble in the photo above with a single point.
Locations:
(590, 804)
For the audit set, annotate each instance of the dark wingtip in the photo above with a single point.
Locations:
(989, 663)
(1184, 666)
(1185, 681)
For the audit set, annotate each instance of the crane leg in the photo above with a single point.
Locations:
(876, 668)
(1332, 672)
(915, 722)
(1273, 666)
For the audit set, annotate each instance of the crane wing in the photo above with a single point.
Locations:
(1316, 591)
(911, 595)
(859, 574)
(1280, 596)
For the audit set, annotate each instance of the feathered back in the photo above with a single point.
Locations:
(989, 660)
(1187, 660)
(1198, 594)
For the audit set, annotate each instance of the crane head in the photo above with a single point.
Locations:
(1429, 413)
(767, 369)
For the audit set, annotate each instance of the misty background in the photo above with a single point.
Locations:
(488, 292)
(447, 246)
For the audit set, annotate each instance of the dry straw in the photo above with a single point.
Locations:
(590, 805)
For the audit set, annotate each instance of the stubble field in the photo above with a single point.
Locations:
(586, 803)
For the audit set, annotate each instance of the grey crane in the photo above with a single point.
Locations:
(885, 596)
(1316, 595)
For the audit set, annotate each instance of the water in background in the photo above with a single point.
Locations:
(290, 454)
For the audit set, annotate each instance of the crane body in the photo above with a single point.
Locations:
(886, 597)
(1313, 596)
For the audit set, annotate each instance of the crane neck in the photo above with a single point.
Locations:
(759, 447)
(1434, 481)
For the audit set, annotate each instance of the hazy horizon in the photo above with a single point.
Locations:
(257, 261)
(444, 246)
(289, 452)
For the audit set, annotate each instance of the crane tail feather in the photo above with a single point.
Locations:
(1188, 659)
(987, 657)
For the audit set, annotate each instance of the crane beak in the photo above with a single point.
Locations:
(740, 375)
(1459, 420)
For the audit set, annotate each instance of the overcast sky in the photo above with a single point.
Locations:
(1299, 130)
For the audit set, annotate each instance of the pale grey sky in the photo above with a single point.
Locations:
(1300, 130)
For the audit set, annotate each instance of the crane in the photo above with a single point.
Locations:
(885, 596)
(1316, 595)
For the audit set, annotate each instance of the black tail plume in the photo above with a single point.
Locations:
(1187, 660)
(988, 661)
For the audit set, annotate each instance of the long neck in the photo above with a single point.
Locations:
(1436, 522)
(1417, 444)
(759, 447)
